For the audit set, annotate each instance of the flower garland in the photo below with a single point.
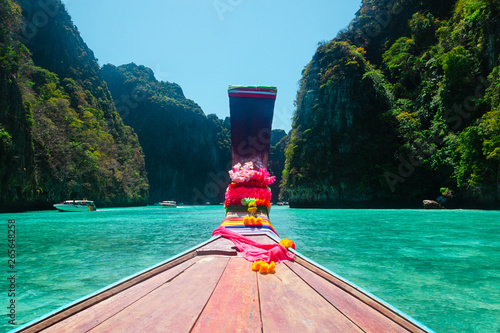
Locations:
(248, 184)
(246, 173)
(249, 187)
(236, 196)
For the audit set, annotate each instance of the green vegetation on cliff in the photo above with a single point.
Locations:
(60, 135)
(187, 153)
(403, 103)
(276, 163)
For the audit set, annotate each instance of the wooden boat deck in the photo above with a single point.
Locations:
(213, 289)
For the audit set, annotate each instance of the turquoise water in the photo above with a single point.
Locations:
(440, 267)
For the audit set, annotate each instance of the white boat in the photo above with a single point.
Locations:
(76, 206)
(168, 204)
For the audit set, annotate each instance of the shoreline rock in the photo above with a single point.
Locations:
(431, 204)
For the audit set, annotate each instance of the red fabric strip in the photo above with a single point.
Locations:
(253, 89)
(252, 95)
(252, 250)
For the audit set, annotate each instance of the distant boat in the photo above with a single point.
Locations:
(76, 206)
(170, 204)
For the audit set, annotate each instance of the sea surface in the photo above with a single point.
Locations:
(440, 267)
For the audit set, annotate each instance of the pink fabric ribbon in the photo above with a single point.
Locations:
(252, 250)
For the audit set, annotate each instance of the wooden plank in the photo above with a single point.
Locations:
(367, 318)
(263, 239)
(93, 316)
(288, 304)
(363, 296)
(90, 301)
(173, 307)
(234, 305)
(221, 246)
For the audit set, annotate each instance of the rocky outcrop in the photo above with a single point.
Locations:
(431, 204)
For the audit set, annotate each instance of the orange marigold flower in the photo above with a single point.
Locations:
(271, 267)
(285, 242)
(255, 266)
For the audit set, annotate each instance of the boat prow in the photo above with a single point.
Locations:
(212, 288)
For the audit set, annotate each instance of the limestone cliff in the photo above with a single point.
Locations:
(402, 106)
(337, 140)
(60, 135)
(187, 153)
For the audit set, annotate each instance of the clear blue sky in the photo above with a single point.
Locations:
(206, 45)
